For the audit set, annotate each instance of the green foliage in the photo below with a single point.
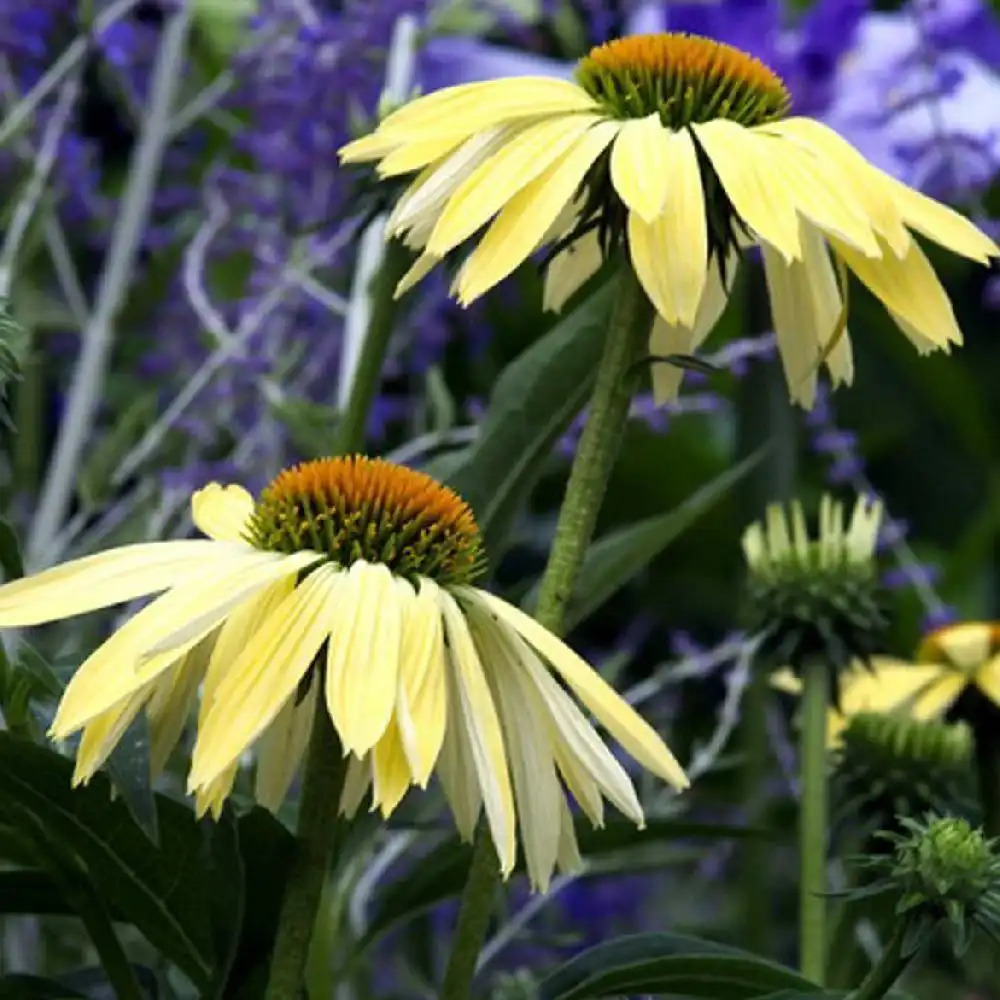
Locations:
(669, 964)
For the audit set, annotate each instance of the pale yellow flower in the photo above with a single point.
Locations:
(949, 660)
(347, 580)
(676, 146)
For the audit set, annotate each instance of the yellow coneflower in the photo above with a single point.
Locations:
(348, 579)
(948, 661)
(679, 147)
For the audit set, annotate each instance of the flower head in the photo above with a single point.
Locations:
(347, 580)
(943, 870)
(950, 661)
(678, 148)
(816, 598)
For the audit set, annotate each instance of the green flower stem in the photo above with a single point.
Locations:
(813, 823)
(624, 346)
(889, 967)
(350, 435)
(326, 768)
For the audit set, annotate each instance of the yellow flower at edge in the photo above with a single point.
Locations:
(677, 147)
(949, 660)
(348, 580)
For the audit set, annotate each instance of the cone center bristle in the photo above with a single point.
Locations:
(683, 78)
(359, 508)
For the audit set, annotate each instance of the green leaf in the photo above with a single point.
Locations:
(223, 23)
(533, 403)
(614, 559)
(167, 892)
(17, 987)
(311, 426)
(30, 891)
(669, 964)
(95, 478)
(10, 551)
(128, 768)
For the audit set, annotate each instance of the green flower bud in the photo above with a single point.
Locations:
(890, 766)
(816, 598)
(943, 870)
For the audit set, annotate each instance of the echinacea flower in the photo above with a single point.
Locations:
(949, 661)
(677, 147)
(348, 579)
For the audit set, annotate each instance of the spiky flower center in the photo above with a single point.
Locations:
(360, 508)
(683, 78)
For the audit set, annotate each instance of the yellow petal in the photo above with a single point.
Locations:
(966, 645)
(673, 338)
(122, 664)
(536, 788)
(108, 578)
(806, 308)
(266, 674)
(674, 245)
(533, 95)
(421, 703)
(456, 767)
(939, 696)
(940, 223)
(102, 733)
(479, 719)
(235, 633)
(362, 665)
(909, 288)
(212, 797)
(282, 746)
(609, 708)
(494, 182)
(744, 160)
(520, 226)
(892, 686)
(427, 195)
(988, 679)
(570, 269)
(390, 771)
(356, 785)
(858, 177)
(172, 702)
(222, 512)
(419, 270)
(421, 151)
(641, 166)
(569, 859)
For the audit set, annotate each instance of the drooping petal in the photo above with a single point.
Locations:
(496, 180)
(570, 270)
(806, 308)
(427, 195)
(212, 797)
(610, 709)
(671, 338)
(390, 770)
(102, 733)
(524, 721)
(456, 767)
(939, 695)
(858, 176)
(172, 702)
(641, 166)
(478, 716)
(670, 251)
(966, 644)
(909, 288)
(266, 674)
(362, 663)
(418, 270)
(185, 615)
(568, 859)
(108, 578)
(222, 512)
(356, 785)
(743, 160)
(518, 229)
(282, 746)
(421, 703)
